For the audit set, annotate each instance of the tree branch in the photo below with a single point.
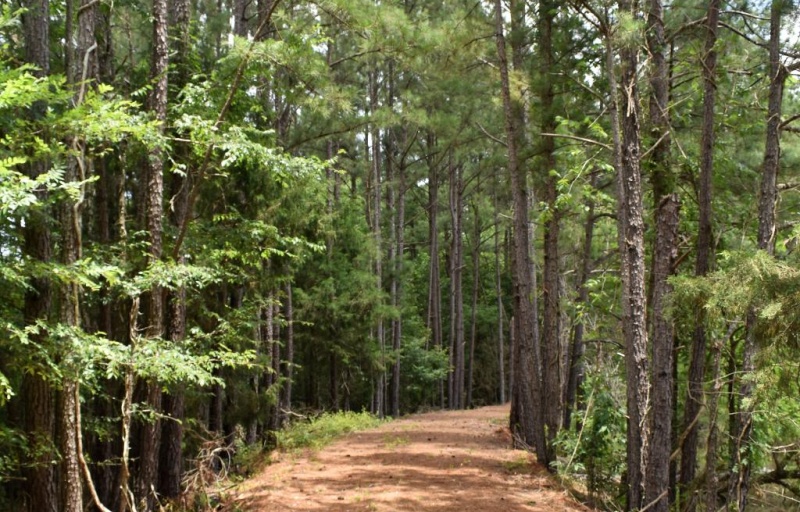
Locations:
(581, 139)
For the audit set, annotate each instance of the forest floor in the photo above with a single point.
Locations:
(457, 461)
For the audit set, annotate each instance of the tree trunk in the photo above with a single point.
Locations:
(380, 379)
(693, 403)
(476, 248)
(576, 368)
(288, 363)
(657, 477)
(526, 401)
(240, 17)
(84, 67)
(501, 357)
(456, 385)
(171, 460)
(660, 421)
(767, 202)
(632, 257)
(551, 336)
(397, 287)
(37, 398)
(434, 316)
(150, 432)
(712, 444)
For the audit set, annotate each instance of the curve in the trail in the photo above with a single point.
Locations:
(454, 461)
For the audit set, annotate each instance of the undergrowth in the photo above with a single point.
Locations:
(324, 429)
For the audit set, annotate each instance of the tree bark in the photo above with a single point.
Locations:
(37, 397)
(434, 316)
(660, 421)
(379, 404)
(83, 70)
(632, 257)
(501, 357)
(288, 363)
(476, 248)
(657, 477)
(551, 336)
(526, 401)
(456, 387)
(397, 286)
(150, 432)
(171, 460)
(693, 403)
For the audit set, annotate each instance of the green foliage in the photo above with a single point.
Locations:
(596, 450)
(324, 429)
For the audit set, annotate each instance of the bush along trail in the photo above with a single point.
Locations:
(439, 461)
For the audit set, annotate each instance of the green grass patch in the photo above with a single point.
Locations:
(324, 429)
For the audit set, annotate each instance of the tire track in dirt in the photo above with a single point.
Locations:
(449, 461)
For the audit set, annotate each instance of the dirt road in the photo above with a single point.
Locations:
(457, 461)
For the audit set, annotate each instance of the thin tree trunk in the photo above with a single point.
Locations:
(576, 368)
(288, 372)
(712, 444)
(380, 380)
(397, 288)
(476, 247)
(551, 335)
(171, 460)
(660, 421)
(456, 385)
(525, 422)
(84, 68)
(150, 432)
(693, 402)
(632, 256)
(657, 476)
(434, 316)
(273, 342)
(501, 357)
(740, 463)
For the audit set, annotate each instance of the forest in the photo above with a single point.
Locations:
(222, 216)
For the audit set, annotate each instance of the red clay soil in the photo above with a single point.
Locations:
(457, 461)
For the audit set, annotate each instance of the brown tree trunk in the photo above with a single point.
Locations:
(434, 316)
(37, 397)
(150, 432)
(397, 285)
(767, 202)
(476, 248)
(693, 403)
(273, 334)
(526, 401)
(240, 17)
(551, 328)
(379, 402)
(501, 351)
(288, 363)
(576, 368)
(660, 421)
(712, 444)
(456, 384)
(632, 257)
(84, 67)
(657, 477)
(171, 460)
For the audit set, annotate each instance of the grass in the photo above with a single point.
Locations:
(323, 430)
(520, 464)
(391, 442)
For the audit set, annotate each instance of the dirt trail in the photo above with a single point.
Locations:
(441, 461)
